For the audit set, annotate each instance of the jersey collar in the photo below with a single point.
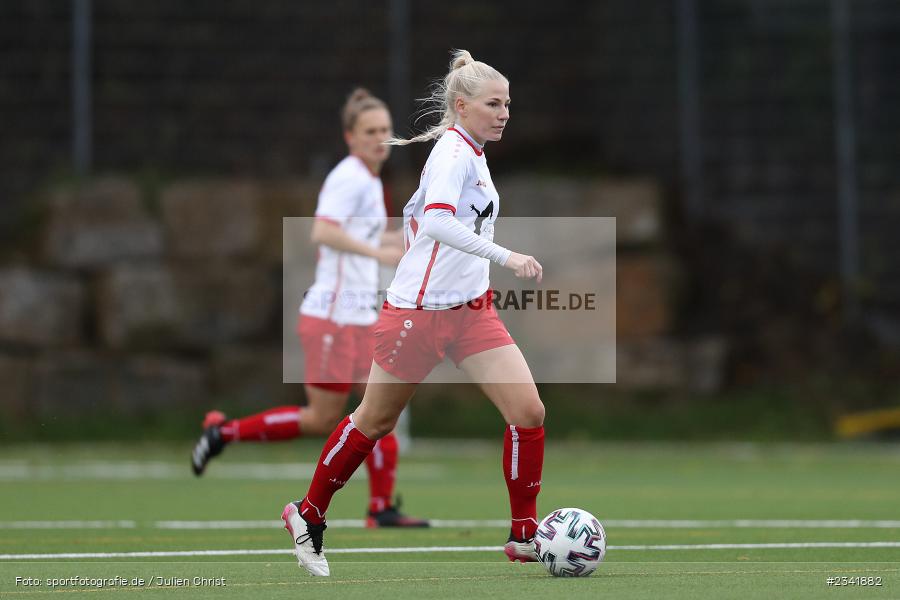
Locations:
(365, 166)
(478, 148)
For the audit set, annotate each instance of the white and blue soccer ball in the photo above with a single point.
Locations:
(570, 542)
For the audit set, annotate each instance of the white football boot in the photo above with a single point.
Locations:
(307, 539)
(520, 551)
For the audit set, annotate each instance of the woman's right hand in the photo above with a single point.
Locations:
(389, 255)
(525, 267)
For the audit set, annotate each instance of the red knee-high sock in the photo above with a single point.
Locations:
(523, 460)
(282, 423)
(345, 450)
(382, 466)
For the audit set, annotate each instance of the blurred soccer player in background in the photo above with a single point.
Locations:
(338, 312)
(439, 304)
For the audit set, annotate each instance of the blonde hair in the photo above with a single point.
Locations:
(359, 101)
(464, 80)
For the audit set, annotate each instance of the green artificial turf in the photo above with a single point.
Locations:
(145, 486)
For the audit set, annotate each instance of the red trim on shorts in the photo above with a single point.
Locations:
(449, 207)
(434, 252)
(330, 220)
(478, 151)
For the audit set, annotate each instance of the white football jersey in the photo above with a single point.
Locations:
(432, 275)
(346, 286)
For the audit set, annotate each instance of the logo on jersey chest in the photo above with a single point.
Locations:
(486, 213)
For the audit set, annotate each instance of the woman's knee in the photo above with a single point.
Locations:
(529, 411)
(323, 412)
(330, 417)
(383, 428)
(318, 421)
(532, 415)
(374, 427)
(386, 396)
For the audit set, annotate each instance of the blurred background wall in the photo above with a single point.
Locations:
(148, 151)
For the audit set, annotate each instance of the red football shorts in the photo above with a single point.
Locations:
(337, 356)
(409, 343)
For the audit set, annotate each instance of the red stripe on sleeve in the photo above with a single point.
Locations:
(449, 207)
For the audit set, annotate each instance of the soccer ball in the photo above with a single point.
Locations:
(570, 542)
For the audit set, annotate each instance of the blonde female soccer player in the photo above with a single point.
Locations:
(439, 305)
(338, 312)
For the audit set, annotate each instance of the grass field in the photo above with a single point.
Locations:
(683, 521)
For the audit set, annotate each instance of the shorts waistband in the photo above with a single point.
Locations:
(483, 301)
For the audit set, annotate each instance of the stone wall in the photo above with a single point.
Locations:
(130, 306)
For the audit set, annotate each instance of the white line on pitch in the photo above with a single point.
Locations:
(425, 549)
(68, 524)
(776, 545)
(610, 524)
(342, 523)
(754, 523)
(460, 523)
